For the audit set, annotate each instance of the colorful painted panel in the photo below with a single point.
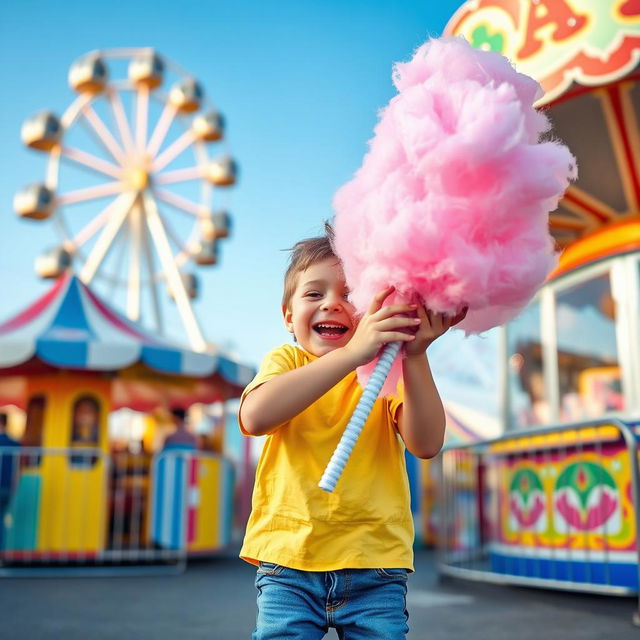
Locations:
(558, 42)
(566, 514)
(21, 518)
(168, 527)
(192, 501)
(211, 504)
(573, 501)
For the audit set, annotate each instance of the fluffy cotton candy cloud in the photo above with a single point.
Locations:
(452, 200)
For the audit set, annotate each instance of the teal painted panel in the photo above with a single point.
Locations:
(21, 520)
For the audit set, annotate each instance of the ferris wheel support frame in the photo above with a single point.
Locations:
(134, 220)
(174, 279)
(108, 236)
(155, 298)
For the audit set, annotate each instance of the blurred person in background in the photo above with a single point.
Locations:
(8, 466)
(181, 438)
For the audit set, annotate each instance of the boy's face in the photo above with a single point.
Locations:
(318, 313)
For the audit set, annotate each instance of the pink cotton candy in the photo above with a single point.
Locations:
(452, 200)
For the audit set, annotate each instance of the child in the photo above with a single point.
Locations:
(336, 559)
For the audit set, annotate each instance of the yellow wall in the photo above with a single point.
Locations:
(210, 479)
(73, 504)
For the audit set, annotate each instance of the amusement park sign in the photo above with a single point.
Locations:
(558, 42)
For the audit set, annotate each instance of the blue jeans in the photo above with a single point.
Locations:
(359, 603)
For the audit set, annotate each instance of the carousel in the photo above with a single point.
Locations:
(136, 199)
(554, 501)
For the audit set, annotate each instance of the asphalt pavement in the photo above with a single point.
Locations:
(215, 599)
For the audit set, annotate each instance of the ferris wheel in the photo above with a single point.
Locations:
(135, 177)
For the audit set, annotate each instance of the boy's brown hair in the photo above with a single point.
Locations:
(304, 254)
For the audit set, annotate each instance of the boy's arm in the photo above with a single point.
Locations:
(421, 420)
(288, 394)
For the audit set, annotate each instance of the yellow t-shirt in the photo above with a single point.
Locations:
(366, 522)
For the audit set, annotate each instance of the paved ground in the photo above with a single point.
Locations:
(215, 600)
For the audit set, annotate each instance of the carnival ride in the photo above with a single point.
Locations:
(559, 506)
(71, 359)
(136, 198)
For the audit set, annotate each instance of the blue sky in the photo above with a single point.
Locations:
(300, 83)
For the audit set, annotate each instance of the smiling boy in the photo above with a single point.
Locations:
(336, 559)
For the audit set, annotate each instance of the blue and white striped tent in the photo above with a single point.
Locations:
(70, 327)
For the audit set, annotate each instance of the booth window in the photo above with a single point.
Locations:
(85, 430)
(528, 401)
(32, 436)
(588, 367)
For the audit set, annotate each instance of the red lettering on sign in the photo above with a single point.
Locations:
(630, 8)
(543, 13)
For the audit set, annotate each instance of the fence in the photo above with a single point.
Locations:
(554, 507)
(80, 510)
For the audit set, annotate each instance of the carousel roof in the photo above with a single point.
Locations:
(70, 327)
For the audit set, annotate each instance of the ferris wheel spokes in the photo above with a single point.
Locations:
(90, 193)
(134, 220)
(182, 253)
(142, 109)
(88, 160)
(108, 236)
(161, 129)
(172, 273)
(153, 284)
(180, 203)
(89, 230)
(174, 150)
(179, 175)
(104, 135)
(171, 234)
(119, 253)
(121, 121)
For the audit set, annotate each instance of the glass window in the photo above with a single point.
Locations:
(529, 405)
(588, 368)
(85, 430)
(32, 436)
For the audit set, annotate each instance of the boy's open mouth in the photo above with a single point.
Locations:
(330, 329)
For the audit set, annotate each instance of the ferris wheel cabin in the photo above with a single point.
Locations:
(53, 263)
(42, 131)
(35, 201)
(222, 172)
(209, 126)
(147, 69)
(206, 254)
(217, 225)
(191, 286)
(88, 74)
(186, 96)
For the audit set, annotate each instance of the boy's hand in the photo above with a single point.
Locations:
(381, 325)
(432, 325)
